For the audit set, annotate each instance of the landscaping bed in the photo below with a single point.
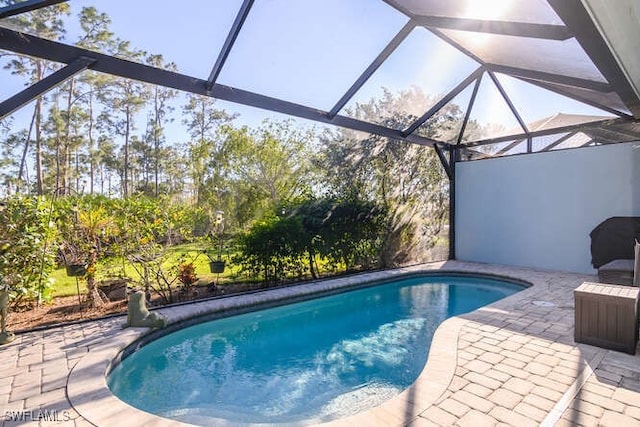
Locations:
(67, 309)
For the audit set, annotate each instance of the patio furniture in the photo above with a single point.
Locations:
(607, 316)
(618, 272)
(612, 249)
(613, 239)
(636, 265)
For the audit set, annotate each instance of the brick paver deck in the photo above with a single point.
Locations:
(511, 363)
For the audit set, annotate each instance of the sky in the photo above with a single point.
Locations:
(307, 52)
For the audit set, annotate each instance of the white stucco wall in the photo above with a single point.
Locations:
(538, 210)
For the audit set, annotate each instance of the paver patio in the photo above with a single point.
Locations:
(511, 363)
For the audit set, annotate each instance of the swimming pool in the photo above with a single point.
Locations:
(305, 362)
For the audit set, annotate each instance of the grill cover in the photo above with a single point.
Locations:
(613, 239)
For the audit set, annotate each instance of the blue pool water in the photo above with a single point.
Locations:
(315, 360)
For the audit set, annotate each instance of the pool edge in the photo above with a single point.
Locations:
(311, 290)
(87, 380)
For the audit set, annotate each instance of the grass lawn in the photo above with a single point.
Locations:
(113, 268)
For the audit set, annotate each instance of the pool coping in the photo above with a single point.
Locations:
(87, 380)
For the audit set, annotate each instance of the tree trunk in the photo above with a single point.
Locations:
(156, 137)
(23, 161)
(101, 179)
(38, 113)
(39, 185)
(92, 161)
(313, 271)
(66, 143)
(59, 186)
(125, 184)
(93, 296)
(78, 189)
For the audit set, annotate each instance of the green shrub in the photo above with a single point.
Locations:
(27, 248)
(349, 233)
(273, 248)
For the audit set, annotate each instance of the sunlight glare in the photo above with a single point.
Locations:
(492, 10)
(497, 110)
(492, 112)
(487, 9)
(436, 82)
